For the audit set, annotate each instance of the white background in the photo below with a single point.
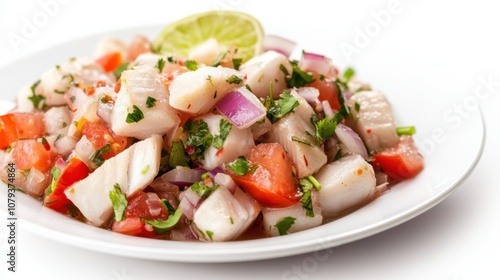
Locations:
(458, 239)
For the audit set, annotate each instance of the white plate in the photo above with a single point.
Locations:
(451, 147)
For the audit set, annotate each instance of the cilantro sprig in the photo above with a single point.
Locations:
(199, 138)
(307, 184)
(224, 127)
(298, 77)
(119, 202)
(277, 109)
(284, 224)
(241, 166)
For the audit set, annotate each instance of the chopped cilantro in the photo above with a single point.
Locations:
(55, 172)
(177, 155)
(224, 127)
(210, 234)
(338, 155)
(199, 138)
(348, 74)
(203, 191)
(357, 106)
(135, 116)
(219, 58)
(284, 224)
(160, 64)
(145, 170)
(241, 166)
(209, 79)
(169, 223)
(37, 99)
(150, 102)
(277, 109)
(405, 130)
(234, 79)
(298, 78)
(325, 128)
(191, 65)
(97, 156)
(119, 202)
(237, 63)
(170, 59)
(168, 205)
(307, 184)
(118, 72)
(301, 141)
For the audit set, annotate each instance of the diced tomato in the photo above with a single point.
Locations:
(272, 183)
(139, 45)
(75, 171)
(327, 90)
(100, 135)
(20, 125)
(111, 61)
(141, 205)
(400, 162)
(28, 153)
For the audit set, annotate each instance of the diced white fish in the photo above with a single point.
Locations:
(65, 145)
(24, 103)
(133, 170)
(224, 217)
(374, 121)
(271, 217)
(109, 45)
(85, 109)
(197, 92)
(260, 128)
(295, 133)
(206, 52)
(265, 69)
(142, 92)
(239, 142)
(345, 184)
(57, 120)
(150, 59)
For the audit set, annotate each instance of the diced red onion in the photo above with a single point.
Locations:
(104, 111)
(36, 182)
(225, 181)
(192, 197)
(351, 140)
(381, 178)
(187, 208)
(65, 145)
(182, 176)
(84, 149)
(317, 63)
(241, 107)
(310, 94)
(279, 44)
(327, 109)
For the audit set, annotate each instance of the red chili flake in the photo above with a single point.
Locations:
(118, 86)
(45, 144)
(359, 172)
(219, 152)
(100, 83)
(368, 131)
(189, 106)
(190, 150)
(305, 160)
(283, 155)
(90, 90)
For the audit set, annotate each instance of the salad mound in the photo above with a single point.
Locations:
(207, 143)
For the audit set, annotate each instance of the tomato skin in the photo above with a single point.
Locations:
(327, 90)
(20, 125)
(30, 153)
(141, 205)
(401, 162)
(75, 171)
(100, 135)
(111, 61)
(272, 183)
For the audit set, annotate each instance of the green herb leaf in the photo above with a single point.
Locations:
(406, 130)
(357, 106)
(224, 127)
(160, 64)
(55, 172)
(234, 79)
(219, 58)
(177, 155)
(171, 221)
(169, 206)
(38, 100)
(237, 63)
(302, 141)
(203, 191)
(240, 166)
(119, 202)
(277, 109)
(191, 65)
(284, 224)
(150, 102)
(97, 156)
(135, 116)
(199, 137)
(348, 74)
(210, 234)
(307, 184)
(298, 78)
(324, 128)
(118, 72)
(170, 59)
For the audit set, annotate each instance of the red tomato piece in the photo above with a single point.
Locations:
(30, 153)
(75, 171)
(100, 135)
(111, 61)
(327, 91)
(273, 183)
(20, 125)
(400, 162)
(141, 205)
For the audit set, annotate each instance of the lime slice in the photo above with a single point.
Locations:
(228, 28)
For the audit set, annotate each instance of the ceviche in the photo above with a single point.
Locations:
(203, 137)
